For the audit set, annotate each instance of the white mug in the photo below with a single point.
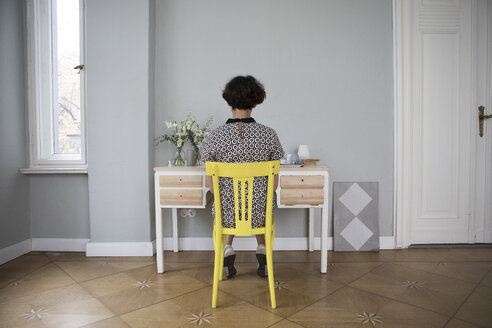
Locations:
(303, 152)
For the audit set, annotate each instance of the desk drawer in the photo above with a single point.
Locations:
(181, 181)
(301, 196)
(302, 181)
(181, 197)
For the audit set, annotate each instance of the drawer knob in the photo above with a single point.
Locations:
(302, 180)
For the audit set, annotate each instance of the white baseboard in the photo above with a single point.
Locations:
(386, 242)
(11, 252)
(249, 243)
(59, 244)
(148, 248)
(120, 249)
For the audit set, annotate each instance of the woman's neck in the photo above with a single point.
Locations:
(240, 113)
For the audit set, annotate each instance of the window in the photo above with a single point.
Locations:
(55, 55)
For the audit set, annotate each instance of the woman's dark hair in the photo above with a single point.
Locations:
(244, 92)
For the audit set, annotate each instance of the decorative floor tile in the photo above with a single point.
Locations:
(286, 324)
(430, 291)
(114, 322)
(230, 312)
(349, 307)
(189, 257)
(468, 271)
(199, 271)
(343, 273)
(163, 314)
(353, 256)
(313, 286)
(294, 290)
(415, 255)
(191, 309)
(20, 267)
(487, 280)
(478, 307)
(47, 277)
(198, 319)
(469, 254)
(389, 288)
(87, 270)
(457, 323)
(137, 288)
(66, 307)
(295, 256)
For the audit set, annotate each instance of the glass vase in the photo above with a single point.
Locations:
(198, 157)
(178, 160)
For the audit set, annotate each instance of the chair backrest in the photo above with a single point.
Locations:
(242, 174)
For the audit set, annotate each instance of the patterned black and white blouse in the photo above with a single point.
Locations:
(259, 143)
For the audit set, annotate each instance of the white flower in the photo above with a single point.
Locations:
(171, 124)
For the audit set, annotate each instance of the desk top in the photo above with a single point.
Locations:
(202, 168)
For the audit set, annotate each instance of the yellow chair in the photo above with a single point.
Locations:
(243, 173)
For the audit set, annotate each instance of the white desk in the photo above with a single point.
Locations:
(184, 187)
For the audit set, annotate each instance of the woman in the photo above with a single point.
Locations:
(242, 140)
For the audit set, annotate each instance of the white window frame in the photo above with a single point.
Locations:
(41, 94)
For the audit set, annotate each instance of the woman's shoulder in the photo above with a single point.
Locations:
(265, 128)
(218, 129)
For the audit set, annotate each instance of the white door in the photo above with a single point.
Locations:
(437, 148)
(482, 215)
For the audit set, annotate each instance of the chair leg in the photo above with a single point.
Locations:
(221, 263)
(269, 257)
(217, 241)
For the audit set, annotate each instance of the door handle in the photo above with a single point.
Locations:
(482, 117)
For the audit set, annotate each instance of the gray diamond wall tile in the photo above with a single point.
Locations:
(356, 218)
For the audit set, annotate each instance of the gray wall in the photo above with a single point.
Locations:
(327, 69)
(14, 187)
(118, 120)
(59, 206)
(326, 65)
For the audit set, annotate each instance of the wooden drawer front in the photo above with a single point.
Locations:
(302, 181)
(301, 196)
(181, 181)
(181, 197)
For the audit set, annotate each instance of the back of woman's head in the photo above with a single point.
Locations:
(244, 92)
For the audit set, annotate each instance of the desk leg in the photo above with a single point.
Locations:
(175, 230)
(311, 229)
(324, 238)
(158, 239)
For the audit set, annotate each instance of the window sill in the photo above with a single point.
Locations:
(54, 170)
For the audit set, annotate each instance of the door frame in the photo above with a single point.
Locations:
(483, 187)
(480, 210)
